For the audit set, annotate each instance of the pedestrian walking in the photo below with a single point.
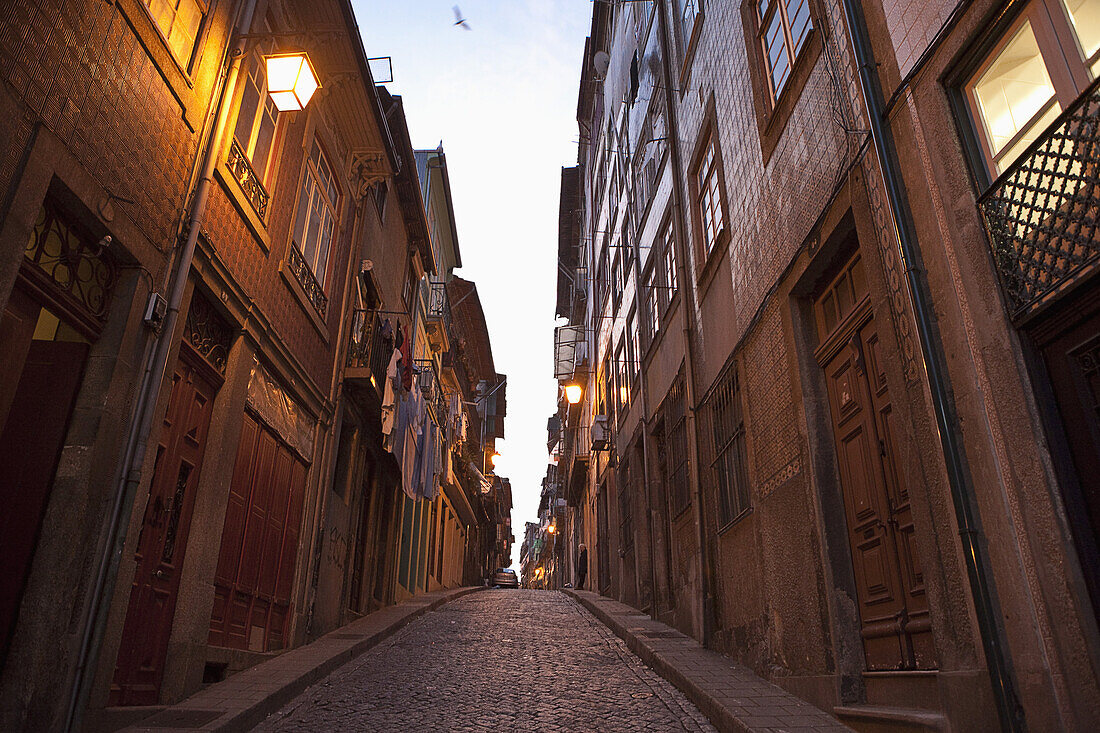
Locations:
(582, 565)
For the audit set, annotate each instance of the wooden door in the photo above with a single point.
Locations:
(1073, 362)
(163, 539)
(893, 606)
(259, 547)
(41, 376)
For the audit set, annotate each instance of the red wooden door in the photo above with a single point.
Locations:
(163, 538)
(44, 376)
(893, 606)
(259, 546)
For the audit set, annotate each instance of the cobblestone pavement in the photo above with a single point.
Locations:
(499, 660)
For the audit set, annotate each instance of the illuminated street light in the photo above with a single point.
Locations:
(573, 393)
(494, 458)
(551, 529)
(291, 80)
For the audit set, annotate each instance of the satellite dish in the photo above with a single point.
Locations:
(600, 62)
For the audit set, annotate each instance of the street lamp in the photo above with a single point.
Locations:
(291, 80)
(551, 529)
(494, 458)
(573, 393)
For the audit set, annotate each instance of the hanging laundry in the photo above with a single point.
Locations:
(389, 408)
(406, 363)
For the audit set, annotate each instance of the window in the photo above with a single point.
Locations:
(616, 279)
(632, 354)
(179, 21)
(1043, 61)
(708, 196)
(729, 464)
(622, 381)
(784, 26)
(651, 297)
(316, 217)
(668, 260)
(256, 118)
(689, 11)
(674, 448)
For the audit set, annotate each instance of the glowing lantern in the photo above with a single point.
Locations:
(291, 80)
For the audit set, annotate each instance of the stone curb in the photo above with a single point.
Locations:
(731, 696)
(248, 697)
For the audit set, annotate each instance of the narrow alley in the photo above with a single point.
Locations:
(497, 660)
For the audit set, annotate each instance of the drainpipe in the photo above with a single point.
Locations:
(682, 274)
(982, 585)
(146, 412)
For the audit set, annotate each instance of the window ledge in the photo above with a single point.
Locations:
(243, 205)
(735, 521)
(304, 301)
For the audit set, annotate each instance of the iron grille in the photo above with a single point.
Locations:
(306, 279)
(728, 459)
(675, 448)
(250, 183)
(1041, 213)
(208, 332)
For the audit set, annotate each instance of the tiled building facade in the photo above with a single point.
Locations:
(780, 304)
(198, 481)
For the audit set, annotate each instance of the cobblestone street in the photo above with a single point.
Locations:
(498, 660)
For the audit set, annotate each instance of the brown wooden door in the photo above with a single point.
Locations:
(40, 383)
(259, 547)
(893, 606)
(1073, 362)
(163, 538)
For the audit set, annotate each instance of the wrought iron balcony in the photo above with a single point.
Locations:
(307, 280)
(438, 314)
(369, 350)
(241, 168)
(1042, 213)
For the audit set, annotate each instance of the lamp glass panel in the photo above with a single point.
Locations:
(285, 101)
(283, 71)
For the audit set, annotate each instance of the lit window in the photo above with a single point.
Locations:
(784, 27)
(179, 21)
(1042, 63)
(1084, 18)
(316, 217)
(709, 197)
(256, 119)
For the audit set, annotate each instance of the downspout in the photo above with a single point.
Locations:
(688, 298)
(982, 584)
(146, 412)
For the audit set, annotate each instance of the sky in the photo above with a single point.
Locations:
(502, 97)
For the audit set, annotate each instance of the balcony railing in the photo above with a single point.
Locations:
(307, 280)
(368, 347)
(1042, 213)
(241, 169)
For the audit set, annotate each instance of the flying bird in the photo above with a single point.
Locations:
(459, 20)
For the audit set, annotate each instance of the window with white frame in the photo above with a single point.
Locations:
(257, 117)
(784, 26)
(708, 195)
(180, 22)
(316, 218)
(1047, 56)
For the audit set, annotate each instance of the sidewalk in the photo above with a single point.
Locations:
(246, 698)
(728, 693)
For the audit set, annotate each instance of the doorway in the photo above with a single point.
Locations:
(164, 529)
(43, 365)
(895, 626)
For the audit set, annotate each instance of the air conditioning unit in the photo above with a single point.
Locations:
(601, 436)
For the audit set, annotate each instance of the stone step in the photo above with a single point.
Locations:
(884, 719)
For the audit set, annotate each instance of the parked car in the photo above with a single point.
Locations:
(504, 578)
